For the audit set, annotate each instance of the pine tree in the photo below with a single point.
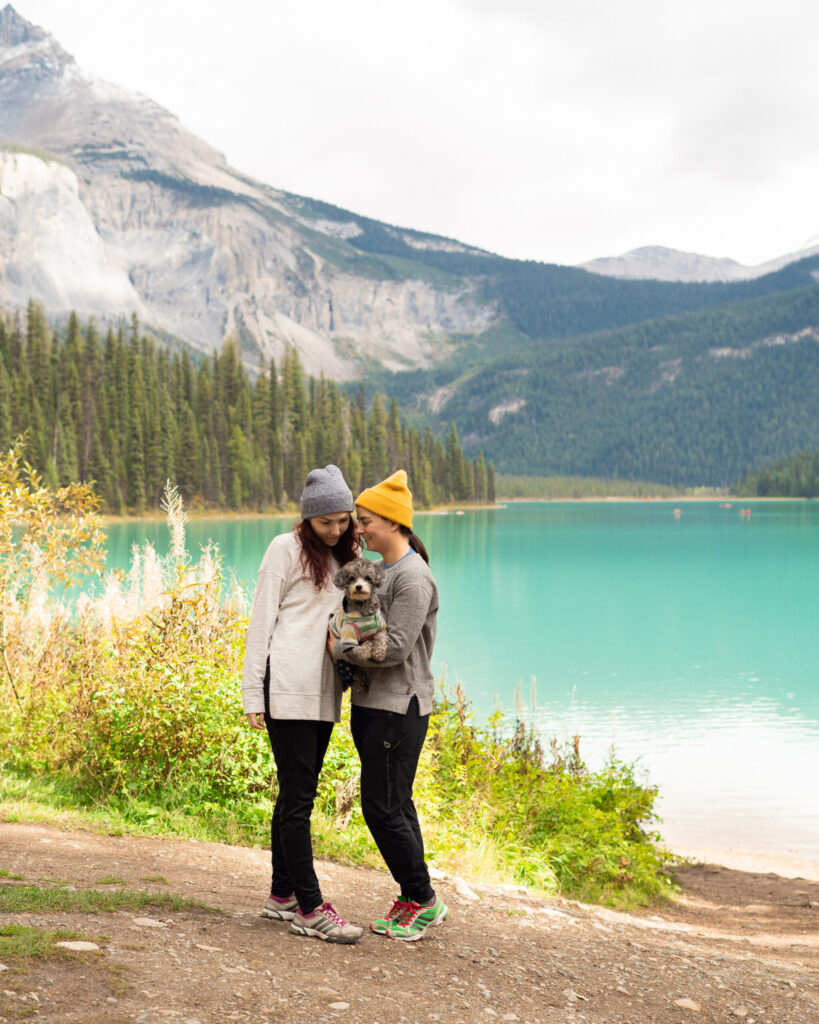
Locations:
(136, 463)
(378, 457)
(5, 409)
(455, 478)
(480, 478)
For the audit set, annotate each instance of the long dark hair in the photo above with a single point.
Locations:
(415, 542)
(315, 555)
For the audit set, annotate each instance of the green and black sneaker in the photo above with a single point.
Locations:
(381, 924)
(414, 920)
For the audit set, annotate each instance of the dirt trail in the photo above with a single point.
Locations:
(737, 946)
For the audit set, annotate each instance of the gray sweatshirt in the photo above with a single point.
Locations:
(409, 598)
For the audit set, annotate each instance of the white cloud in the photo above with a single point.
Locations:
(541, 129)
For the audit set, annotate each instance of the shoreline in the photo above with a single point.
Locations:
(445, 510)
(786, 865)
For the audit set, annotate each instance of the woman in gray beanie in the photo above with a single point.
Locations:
(289, 686)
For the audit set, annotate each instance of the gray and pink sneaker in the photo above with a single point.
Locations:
(324, 923)
(280, 908)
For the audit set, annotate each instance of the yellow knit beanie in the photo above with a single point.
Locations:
(391, 499)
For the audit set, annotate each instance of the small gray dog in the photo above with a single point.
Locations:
(359, 623)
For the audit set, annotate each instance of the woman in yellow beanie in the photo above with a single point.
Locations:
(389, 720)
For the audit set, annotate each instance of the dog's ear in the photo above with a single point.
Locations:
(340, 578)
(377, 575)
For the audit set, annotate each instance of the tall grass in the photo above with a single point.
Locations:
(126, 711)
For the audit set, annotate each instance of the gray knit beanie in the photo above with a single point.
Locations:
(325, 492)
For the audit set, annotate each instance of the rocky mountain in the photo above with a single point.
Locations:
(108, 205)
(656, 263)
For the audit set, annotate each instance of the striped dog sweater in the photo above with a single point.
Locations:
(354, 629)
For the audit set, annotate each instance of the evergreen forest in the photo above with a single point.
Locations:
(128, 414)
(687, 400)
(796, 476)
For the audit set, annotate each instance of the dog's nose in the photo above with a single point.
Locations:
(358, 586)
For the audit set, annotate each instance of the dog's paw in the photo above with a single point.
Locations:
(360, 653)
(379, 645)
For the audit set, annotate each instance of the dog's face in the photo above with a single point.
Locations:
(359, 579)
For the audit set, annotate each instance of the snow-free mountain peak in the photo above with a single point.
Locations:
(16, 31)
(658, 263)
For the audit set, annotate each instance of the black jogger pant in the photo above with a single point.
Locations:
(298, 749)
(389, 745)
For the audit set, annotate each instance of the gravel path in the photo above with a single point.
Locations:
(737, 946)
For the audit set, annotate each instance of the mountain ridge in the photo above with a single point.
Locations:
(658, 263)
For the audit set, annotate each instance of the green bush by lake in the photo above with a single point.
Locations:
(127, 713)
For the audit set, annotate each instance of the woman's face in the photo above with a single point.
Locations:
(376, 531)
(330, 528)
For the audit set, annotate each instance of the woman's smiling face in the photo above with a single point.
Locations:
(376, 531)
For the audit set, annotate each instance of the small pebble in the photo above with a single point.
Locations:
(686, 1004)
(79, 947)
(740, 1011)
(149, 922)
(339, 1006)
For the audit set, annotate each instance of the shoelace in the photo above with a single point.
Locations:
(327, 910)
(407, 915)
(399, 908)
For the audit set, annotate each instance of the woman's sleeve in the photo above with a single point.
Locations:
(270, 588)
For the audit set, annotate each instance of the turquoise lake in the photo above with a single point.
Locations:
(690, 644)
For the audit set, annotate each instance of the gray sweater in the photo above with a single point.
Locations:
(409, 598)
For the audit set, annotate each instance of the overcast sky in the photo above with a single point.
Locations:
(556, 130)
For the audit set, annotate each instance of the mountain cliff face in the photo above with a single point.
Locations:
(108, 206)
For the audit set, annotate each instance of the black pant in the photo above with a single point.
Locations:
(298, 748)
(389, 745)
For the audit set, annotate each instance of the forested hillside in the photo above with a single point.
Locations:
(686, 400)
(126, 413)
(794, 477)
(540, 300)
